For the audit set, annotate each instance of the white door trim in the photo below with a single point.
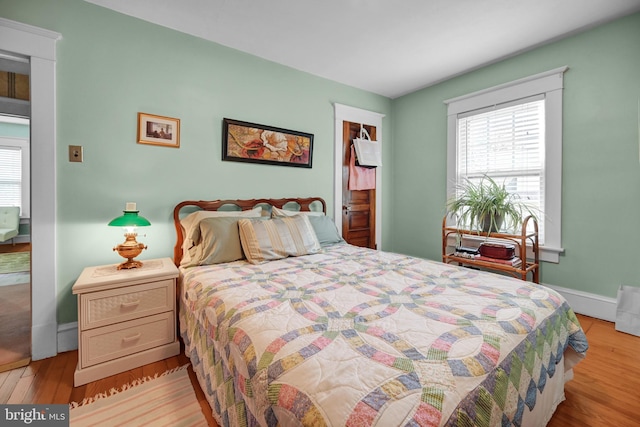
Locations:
(345, 113)
(39, 45)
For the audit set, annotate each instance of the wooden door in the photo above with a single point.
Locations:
(358, 206)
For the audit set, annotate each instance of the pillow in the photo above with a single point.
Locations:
(194, 218)
(325, 230)
(216, 240)
(277, 238)
(276, 212)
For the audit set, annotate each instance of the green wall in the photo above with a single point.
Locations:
(110, 67)
(14, 130)
(601, 168)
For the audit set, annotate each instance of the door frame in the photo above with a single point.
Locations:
(345, 113)
(39, 45)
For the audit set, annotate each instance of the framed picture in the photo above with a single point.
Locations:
(158, 130)
(253, 143)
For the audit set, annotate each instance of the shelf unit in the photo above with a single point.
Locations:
(527, 249)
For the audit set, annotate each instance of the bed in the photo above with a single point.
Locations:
(286, 324)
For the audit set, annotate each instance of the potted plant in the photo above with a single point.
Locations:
(487, 206)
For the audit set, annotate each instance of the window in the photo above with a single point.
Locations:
(14, 170)
(513, 133)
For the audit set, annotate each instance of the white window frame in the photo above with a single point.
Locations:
(23, 145)
(551, 84)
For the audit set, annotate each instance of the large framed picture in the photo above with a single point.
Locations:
(254, 143)
(158, 130)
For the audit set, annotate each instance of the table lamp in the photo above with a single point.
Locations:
(130, 248)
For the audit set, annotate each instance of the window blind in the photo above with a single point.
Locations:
(507, 143)
(10, 176)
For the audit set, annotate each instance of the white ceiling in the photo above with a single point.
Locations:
(387, 47)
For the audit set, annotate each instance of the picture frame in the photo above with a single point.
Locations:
(158, 130)
(255, 143)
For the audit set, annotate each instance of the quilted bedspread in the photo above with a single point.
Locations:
(356, 337)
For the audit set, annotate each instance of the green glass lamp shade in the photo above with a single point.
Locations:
(130, 219)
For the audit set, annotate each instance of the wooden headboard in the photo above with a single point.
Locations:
(214, 205)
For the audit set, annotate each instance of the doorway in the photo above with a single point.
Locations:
(15, 252)
(38, 46)
(358, 205)
(353, 215)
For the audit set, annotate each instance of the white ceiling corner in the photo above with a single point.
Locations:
(386, 47)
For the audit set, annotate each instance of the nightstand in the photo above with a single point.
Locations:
(126, 318)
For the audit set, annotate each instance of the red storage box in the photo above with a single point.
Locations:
(498, 250)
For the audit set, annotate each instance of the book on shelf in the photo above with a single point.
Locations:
(514, 262)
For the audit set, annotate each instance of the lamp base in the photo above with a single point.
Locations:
(130, 263)
(129, 250)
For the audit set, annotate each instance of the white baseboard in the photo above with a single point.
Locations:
(67, 337)
(43, 342)
(591, 305)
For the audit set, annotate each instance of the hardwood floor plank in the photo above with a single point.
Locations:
(20, 391)
(3, 376)
(39, 377)
(78, 394)
(63, 393)
(101, 386)
(33, 367)
(10, 384)
(47, 390)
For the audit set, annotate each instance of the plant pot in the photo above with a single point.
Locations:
(491, 223)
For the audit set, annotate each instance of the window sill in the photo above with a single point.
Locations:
(549, 254)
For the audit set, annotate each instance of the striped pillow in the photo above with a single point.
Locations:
(277, 238)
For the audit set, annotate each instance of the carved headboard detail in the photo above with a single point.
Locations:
(238, 204)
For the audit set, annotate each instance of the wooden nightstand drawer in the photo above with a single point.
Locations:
(111, 342)
(118, 305)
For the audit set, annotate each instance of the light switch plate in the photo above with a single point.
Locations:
(75, 153)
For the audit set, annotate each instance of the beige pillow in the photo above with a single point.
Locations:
(190, 221)
(276, 212)
(277, 238)
(216, 241)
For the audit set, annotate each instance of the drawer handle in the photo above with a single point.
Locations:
(132, 337)
(130, 304)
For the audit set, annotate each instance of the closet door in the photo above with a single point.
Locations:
(358, 206)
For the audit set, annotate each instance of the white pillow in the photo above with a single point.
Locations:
(192, 220)
(276, 212)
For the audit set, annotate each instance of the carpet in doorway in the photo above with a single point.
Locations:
(166, 400)
(15, 262)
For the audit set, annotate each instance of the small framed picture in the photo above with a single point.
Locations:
(254, 143)
(158, 130)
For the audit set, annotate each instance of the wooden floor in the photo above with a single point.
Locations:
(51, 381)
(18, 247)
(604, 392)
(15, 318)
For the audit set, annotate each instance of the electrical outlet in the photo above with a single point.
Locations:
(75, 153)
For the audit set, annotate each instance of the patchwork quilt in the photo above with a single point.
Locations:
(357, 337)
